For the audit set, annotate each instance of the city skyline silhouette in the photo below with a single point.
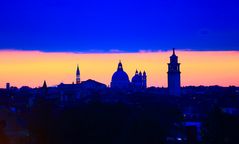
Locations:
(31, 68)
(119, 72)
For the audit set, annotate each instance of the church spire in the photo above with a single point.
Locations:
(44, 89)
(77, 75)
(77, 70)
(120, 66)
(140, 73)
(44, 85)
(136, 72)
(144, 73)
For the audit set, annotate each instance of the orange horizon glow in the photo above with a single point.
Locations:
(31, 68)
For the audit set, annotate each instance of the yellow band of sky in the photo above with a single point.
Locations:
(31, 68)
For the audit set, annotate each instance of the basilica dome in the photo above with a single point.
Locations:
(120, 78)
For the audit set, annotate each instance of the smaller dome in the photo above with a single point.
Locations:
(136, 78)
(144, 73)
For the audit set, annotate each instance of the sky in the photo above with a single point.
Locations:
(101, 26)
(31, 68)
(46, 39)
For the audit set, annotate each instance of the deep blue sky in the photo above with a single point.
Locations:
(126, 25)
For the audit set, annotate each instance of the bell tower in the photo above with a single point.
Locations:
(174, 80)
(77, 75)
(144, 80)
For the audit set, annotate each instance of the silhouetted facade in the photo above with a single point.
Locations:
(120, 78)
(77, 75)
(174, 82)
(7, 86)
(139, 80)
(144, 80)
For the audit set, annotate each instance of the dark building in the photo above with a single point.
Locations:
(144, 80)
(92, 84)
(120, 78)
(174, 81)
(8, 86)
(44, 86)
(77, 75)
(139, 80)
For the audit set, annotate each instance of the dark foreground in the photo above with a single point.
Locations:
(109, 117)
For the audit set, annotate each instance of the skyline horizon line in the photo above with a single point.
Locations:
(31, 68)
(108, 85)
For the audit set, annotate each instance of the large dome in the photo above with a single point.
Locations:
(120, 79)
(120, 76)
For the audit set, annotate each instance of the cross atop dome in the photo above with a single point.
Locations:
(120, 66)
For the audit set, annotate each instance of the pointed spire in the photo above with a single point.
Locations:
(77, 75)
(120, 66)
(173, 51)
(44, 84)
(77, 70)
(140, 73)
(136, 72)
(144, 73)
(120, 62)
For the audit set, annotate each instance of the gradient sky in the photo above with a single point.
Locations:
(45, 39)
(119, 25)
(31, 68)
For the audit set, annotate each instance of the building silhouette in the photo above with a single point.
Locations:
(144, 80)
(8, 86)
(139, 80)
(120, 78)
(77, 75)
(44, 86)
(174, 82)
